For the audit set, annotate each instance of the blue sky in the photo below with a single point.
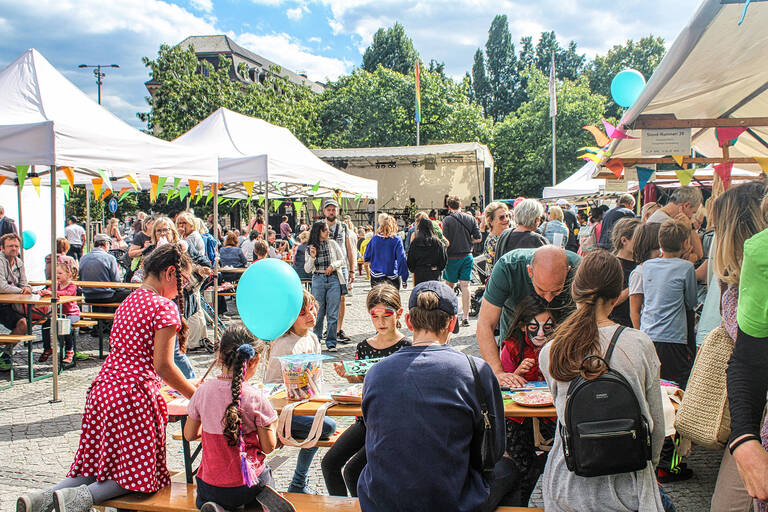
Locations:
(324, 38)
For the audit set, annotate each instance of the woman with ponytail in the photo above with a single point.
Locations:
(122, 444)
(588, 331)
(236, 424)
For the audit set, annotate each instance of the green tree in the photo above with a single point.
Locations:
(568, 63)
(393, 49)
(643, 55)
(501, 64)
(522, 144)
(480, 86)
(377, 109)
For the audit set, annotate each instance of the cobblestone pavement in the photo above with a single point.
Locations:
(38, 439)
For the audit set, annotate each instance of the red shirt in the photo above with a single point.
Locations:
(510, 358)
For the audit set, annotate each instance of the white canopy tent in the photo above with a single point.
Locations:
(715, 69)
(253, 150)
(580, 183)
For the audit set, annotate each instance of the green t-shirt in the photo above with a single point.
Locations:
(510, 283)
(752, 311)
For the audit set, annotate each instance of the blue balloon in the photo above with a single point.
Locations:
(627, 86)
(269, 298)
(28, 240)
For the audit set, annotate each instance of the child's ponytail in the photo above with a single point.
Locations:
(233, 421)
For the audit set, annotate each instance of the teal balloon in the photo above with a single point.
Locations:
(269, 298)
(626, 87)
(28, 239)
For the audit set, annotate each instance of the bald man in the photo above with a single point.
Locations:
(546, 272)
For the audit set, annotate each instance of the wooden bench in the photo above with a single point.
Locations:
(7, 343)
(103, 305)
(322, 444)
(180, 497)
(101, 319)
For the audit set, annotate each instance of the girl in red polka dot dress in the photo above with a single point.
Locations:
(122, 445)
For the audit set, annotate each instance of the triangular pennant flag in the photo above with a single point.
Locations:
(132, 180)
(727, 135)
(213, 188)
(317, 203)
(599, 136)
(65, 188)
(616, 166)
(643, 176)
(684, 176)
(276, 203)
(316, 187)
(724, 171)
(171, 194)
(236, 201)
(105, 194)
(21, 174)
(104, 176)
(297, 206)
(590, 149)
(615, 133)
(183, 191)
(222, 199)
(261, 200)
(97, 182)
(193, 187)
(678, 160)
(590, 156)
(70, 174)
(2, 179)
(161, 183)
(36, 182)
(210, 196)
(123, 193)
(762, 161)
(248, 188)
(176, 182)
(153, 191)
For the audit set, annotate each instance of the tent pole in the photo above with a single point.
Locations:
(215, 266)
(21, 227)
(54, 295)
(266, 206)
(87, 219)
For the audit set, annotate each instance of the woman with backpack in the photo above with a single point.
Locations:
(426, 255)
(592, 434)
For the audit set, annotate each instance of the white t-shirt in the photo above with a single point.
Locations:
(658, 217)
(74, 234)
(636, 281)
(288, 344)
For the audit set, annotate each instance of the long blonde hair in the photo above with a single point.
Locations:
(173, 237)
(736, 216)
(387, 225)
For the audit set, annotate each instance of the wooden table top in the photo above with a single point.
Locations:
(93, 284)
(233, 270)
(35, 299)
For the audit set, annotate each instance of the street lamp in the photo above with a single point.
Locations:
(98, 74)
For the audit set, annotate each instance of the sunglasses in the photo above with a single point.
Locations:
(534, 328)
(385, 312)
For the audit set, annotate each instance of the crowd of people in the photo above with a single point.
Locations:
(566, 296)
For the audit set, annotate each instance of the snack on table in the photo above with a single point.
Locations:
(351, 394)
(302, 375)
(533, 398)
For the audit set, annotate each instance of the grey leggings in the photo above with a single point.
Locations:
(101, 491)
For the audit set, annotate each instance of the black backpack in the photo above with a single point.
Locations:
(605, 432)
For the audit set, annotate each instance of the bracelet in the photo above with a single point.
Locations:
(742, 440)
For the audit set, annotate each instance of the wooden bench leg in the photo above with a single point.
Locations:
(100, 327)
(9, 350)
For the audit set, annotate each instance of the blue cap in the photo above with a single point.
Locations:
(447, 300)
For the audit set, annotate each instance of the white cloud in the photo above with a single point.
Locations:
(202, 5)
(315, 40)
(295, 14)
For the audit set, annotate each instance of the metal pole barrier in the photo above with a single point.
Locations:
(54, 296)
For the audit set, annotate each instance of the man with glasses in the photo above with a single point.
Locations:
(546, 271)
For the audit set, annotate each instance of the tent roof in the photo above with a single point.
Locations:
(580, 183)
(46, 120)
(715, 68)
(251, 149)
(480, 150)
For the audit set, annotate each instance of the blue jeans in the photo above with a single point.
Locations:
(300, 426)
(327, 293)
(182, 362)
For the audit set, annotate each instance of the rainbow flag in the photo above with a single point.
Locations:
(418, 96)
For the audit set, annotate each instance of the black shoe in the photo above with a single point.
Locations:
(465, 323)
(679, 474)
(342, 338)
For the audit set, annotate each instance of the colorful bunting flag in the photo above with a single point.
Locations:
(599, 136)
(132, 180)
(234, 203)
(297, 206)
(161, 183)
(590, 156)
(105, 194)
(643, 176)
(104, 176)
(70, 174)
(153, 190)
(171, 194)
(193, 187)
(183, 191)
(614, 132)
(684, 176)
(36, 182)
(2, 179)
(762, 161)
(616, 166)
(123, 193)
(724, 171)
(209, 197)
(97, 182)
(65, 188)
(21, 174)
(276, 203)
(316, 187)
(317, 203)
(261, 200)
(176, 182)
(678, 160)
(728, 135)
(248, 188)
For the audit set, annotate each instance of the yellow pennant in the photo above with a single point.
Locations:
(685, 176)
(132, 180)
(97, 182)
(248, 188)
(70, 174)
(36, 182)
(762, 162)
(678, 159)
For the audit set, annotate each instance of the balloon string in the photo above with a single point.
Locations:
(744, 12)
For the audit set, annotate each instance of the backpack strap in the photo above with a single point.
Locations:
(479, 393)
(612, 346)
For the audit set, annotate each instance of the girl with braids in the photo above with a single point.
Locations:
(236, 424)
(122, 444)
(588, 331)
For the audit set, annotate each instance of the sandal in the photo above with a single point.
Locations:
(68, 357)
(45, 355)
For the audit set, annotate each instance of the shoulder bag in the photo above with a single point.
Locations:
(483, 447)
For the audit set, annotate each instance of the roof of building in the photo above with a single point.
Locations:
(480, 151)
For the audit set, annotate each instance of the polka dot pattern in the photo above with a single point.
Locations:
(123, 428)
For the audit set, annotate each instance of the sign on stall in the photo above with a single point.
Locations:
(665, 141)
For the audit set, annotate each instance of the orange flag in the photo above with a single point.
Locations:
(97, 186)
(70, 174)
(106, 193)
(600, 137)
(193, 187)
(153, 190)
(616, 166)
(2, 179)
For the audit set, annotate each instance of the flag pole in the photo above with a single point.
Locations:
(417, 105)
(553, 115)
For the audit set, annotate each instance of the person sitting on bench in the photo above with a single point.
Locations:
(100, 265)
(13, 279)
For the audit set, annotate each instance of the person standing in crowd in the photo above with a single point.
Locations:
(596, 286)
(340, 234)
(113, 230)
(622, 210)
(122, 445)
(386, 255)
(142, 238)
(426, 255)
(462, 231)
(7, 224)
(645, 246)
(527, 215)
(13, 279)
(257, 223)
(623, 231)
(299, 256)
(546, 271)
(324, 261)
(285, 228)
(75, 235)
(419, 458)
(370, 209)
(497, 218)
(590, 234)
(554, 229)
(187, 228)
(572, 223)
(682, 206)
(648, 210)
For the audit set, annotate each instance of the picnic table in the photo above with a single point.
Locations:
(31, 300)
(94, 284)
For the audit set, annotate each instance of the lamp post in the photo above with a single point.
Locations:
(98, 74)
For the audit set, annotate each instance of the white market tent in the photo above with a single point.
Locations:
(254, 150)
(714, 74)
(579, 184)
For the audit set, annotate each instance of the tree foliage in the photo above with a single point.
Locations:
(501, 64)
(481, 87)
(393, 49)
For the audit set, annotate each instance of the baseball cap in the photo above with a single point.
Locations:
(102, 237)
(562, 202)
(330, 202)
(447, 300)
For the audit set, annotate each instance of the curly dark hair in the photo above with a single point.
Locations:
(161, 258)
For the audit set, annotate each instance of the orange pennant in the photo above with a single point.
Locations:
(70, 174)
(616, 166)
(193, 187)
(153, 190)
(600, 137)
(97, 182)
(2, 179)
(105, 194)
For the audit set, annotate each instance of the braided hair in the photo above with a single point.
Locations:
(237, 346)
(171, 255)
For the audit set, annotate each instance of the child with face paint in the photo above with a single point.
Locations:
(529, 331)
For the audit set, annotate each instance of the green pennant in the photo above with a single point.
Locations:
(297, 206)
(65, 187)
(208, 199)
(176, 182)
(317, 203)
(161, 183)
(222, 199)
(234, 203)
(261, 200)
(171, 194)
(21, 174)
(276, 203)
(316, 187)
(183, 191)
(107, 181)
(123, 196)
